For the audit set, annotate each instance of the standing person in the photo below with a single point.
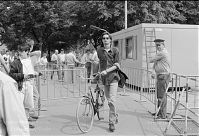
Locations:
(86, 58)
(3, 63)
(70, 61)
(35, 55)
(44, 63)
(12, 56)
(18, 73)
(6, 57)
(61, 61)
(162, 69)
(95, 60)
(29, 86)
(16, 68)
(109, 63)
(44, 60)
(13, 121)
(78, 56)
(54, 60)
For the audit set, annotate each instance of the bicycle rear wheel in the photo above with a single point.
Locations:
(85, 115)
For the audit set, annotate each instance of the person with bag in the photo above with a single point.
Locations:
(108, 54)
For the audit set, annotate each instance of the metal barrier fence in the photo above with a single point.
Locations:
(141, 82)
(182, 98)
(182, 92)
(183, 104)
(60, 82)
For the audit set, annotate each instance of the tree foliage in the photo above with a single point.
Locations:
(62, 24)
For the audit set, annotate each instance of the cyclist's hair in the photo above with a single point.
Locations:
(107, 33)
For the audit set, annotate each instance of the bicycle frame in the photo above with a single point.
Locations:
(95, 102)
(89, 104)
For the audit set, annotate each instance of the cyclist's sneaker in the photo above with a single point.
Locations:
(111, 127)
(31, 119)
(34, 116)
(31, 126)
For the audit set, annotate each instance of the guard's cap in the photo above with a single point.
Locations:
(158, 40)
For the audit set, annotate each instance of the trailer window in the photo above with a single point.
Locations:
(131, 48)
(116, 43)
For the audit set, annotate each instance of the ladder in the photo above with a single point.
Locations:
(150, 49)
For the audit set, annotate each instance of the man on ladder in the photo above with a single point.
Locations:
(162, 70)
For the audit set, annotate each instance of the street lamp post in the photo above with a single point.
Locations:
(125, 6)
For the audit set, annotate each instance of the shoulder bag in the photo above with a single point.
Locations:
(122, 75)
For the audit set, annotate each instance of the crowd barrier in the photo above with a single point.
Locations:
(183, 104)
(141, 82)
(182, 98)
(65, 83)
(182, 92)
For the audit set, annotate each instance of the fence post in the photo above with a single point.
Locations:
(140, 82)
(39, 91)
(186, 109)
(156, 99)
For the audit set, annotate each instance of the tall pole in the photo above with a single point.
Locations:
(125, 14)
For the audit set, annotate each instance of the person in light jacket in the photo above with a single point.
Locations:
(13, 119)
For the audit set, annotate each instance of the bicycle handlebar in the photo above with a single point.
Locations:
(96, 75)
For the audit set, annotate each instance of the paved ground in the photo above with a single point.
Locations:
(58, 118)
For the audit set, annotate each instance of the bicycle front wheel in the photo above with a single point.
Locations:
(85, 115)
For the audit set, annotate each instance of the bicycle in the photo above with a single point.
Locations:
(88, 107)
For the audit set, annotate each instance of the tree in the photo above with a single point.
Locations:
(35, 19)
(190, 10)
(153, 12)
(58, 24)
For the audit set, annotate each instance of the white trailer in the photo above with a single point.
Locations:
(136, 46)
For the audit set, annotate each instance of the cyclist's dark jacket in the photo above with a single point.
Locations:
(113, 54)
(16, 72)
